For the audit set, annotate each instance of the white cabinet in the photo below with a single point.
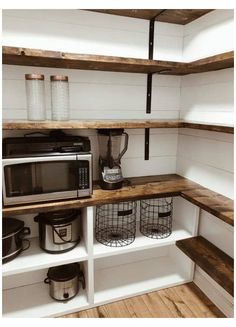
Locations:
(110, 273)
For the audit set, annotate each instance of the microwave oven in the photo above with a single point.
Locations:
(45, 169)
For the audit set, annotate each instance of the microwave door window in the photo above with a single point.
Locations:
(19, 180)
(58, 176)
(40, 178)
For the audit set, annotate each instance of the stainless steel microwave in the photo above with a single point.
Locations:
(46, 177)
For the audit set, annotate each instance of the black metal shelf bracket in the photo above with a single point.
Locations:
(149, 83)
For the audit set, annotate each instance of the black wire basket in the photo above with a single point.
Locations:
(156, 217)
(116, 223)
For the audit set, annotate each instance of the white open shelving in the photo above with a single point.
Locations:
(142, 242)
(34, 301)
(111, 273)
(35, 258)
(115, 283)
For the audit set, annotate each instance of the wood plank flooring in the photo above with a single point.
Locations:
(184, 301)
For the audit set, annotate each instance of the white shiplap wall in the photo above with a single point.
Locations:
(209, 35)
(207, 157)
(101, 95)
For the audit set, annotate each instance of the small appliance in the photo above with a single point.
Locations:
(64, 281)
(13, 233)
(46, 167)
(59, 231)
(110, 157)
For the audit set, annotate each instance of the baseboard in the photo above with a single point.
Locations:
(223, 300)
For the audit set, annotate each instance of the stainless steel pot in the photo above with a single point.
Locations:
(64, 281)
(13, 233)
(59, 230)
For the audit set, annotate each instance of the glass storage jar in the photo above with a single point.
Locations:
(60, 97)
(35, 95)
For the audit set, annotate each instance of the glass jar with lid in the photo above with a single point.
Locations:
(35, 96)
(60, 97)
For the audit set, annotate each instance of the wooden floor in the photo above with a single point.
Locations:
(184, 301)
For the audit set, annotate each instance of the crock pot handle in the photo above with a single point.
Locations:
(81, 279)
(25, 231)
(47, 281)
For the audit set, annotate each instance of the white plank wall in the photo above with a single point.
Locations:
(100, 95)
(209, 35)
(207, 157)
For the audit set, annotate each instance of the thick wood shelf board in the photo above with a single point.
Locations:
(56, 59)
(45, 58)
(141, 188)
(217, 264)
(127, 124)
(91, 124)
(174, 16)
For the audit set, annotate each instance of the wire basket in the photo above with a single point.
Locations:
(116, 224)
(156, 217)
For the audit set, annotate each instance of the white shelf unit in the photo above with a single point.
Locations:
(162, 267)
(35, 259)
(145, 265)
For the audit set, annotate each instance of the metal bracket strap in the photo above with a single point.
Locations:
(149, 83)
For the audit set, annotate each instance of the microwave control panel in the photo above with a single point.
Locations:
(83, 174)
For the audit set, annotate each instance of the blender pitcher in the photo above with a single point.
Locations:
(110, 157)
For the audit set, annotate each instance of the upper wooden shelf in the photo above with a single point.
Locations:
(217, 264)
(174, 16)
(141, 188)
(56, 59)
(127, 124)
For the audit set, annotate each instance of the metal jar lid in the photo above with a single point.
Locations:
(57, 217)
(60, 78)
(39, 77)
(11, 226)
(63, 273)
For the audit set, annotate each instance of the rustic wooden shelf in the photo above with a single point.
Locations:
(127, 124)
(217, 264)
(174, 16)
(45, 58)
(141, 188)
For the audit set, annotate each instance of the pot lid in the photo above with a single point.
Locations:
(57, 217)
(11, 226)
(63, 273)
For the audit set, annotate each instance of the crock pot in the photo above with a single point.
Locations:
(64, 281)
(59, 230)
(13, 233)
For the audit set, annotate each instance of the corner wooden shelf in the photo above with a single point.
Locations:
(127, 124)
(56, 59)
(217, 264)
(173, 16)
(141, 188)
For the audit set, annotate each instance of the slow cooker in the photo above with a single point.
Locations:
(59, 231)
(64, 281)
(13, 233)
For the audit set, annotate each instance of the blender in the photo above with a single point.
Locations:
(110, 157)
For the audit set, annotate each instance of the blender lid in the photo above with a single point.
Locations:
(112, 132)
(63, 273)
(58, 217)
(11, 226)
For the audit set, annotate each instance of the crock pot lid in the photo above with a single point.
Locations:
(58, 217)
(11, 225)
(63, 273)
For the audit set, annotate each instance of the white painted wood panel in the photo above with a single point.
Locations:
(214, 29)
(217, 232)
(18, 304)
(208, 97)
(223, 300)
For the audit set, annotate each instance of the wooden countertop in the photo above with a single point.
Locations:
(141, 188)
